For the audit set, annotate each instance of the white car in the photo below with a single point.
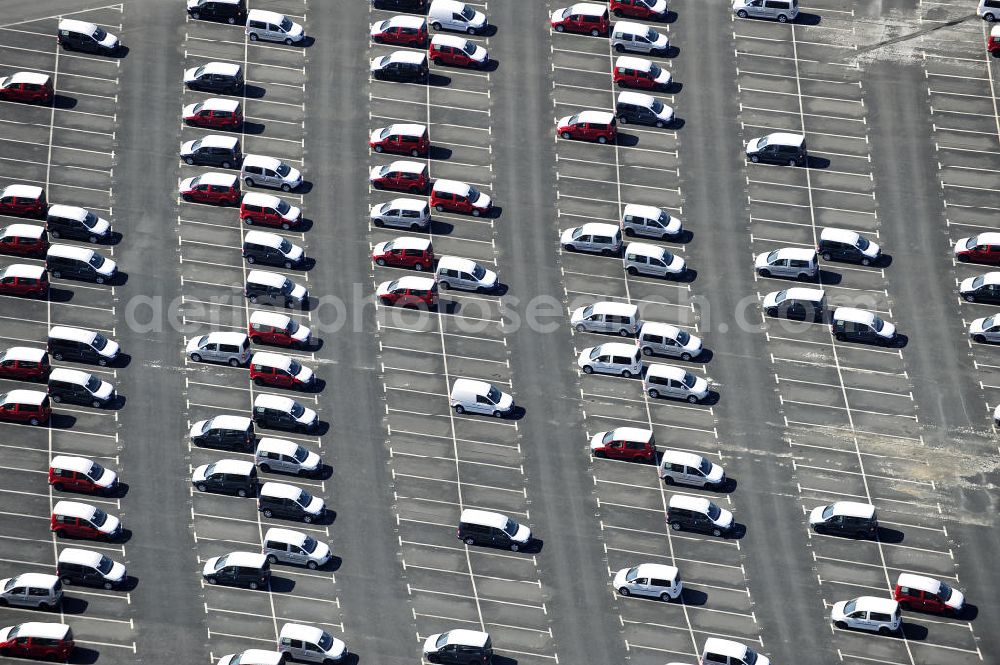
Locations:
(310, 644)
(983, 288)
(985, 330)
(666, 340)
(611, 358)
(593, 237)
(465, 274)
(676, 382)
(413, 214)
(263, 171)
(793, 262)
(878, 615)
(649, 579)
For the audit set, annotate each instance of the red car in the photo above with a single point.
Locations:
(599, 126)
(406, 139)
(82, 520)
(267, 210)
(405, 252)
(23, 201)
(275, 369)
(625, 443)
(22, 279)
(27, 87)
(460, 197)
(37, 640)
(654, 9)
(640, 73)
(24, 240)
(457, 51)
(215, 112)
(983, 248)
(79, 474)
(401, 175)
(275, 328)
(587, 18)
(24, 363)
(215, 188)
(25, 406)
(419, 292)
(401, 31)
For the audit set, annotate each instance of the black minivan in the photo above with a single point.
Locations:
(65, 221)
(213, 150)
(778, 148)
(249, 569)
(227, 476)
(230, 11)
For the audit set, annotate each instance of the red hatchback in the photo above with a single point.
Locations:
(22, 279)
(654, 9)
(404, 139)
(26, 87)
(24, 363)
(405, 252)
(24, 240)
(275, 328)
(37, 640)
(597, 126)
(215, 112)
(25, 406)
(401, 31)
(216, 188)
(419, 292)
(625, 443)
(457, 51)
(588, 18)
(402, 176)
(983, 248)
(23, 201)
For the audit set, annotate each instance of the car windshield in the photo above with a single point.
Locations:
(977, 282)
(384, 133)
(105, 565)
(100, 517)
(90, 220)
(565, 12)
(197, 74)
(761, 142)
(469, 47)
(382, 171)
(689, 380)
(301, 454)
(221, 563)
(478, 271)
(100, 341)
(971, 242)
(208, 470)
(195, 145)
(96, 471)
(474, 194)
(988, 322)
(14, 632)
(325, 642)
(713, 511)
(93, 384)
(595, 353)
(945, 591)
(751, 657)
(286, 24)
(292, 327)
(294, 367)
(510, 528)
(632, 573)
(283, 169)
(772, 256)
(878, 324)
(705, 467)
(608, 437)
(468, 13)
(493, 394)
(283, 207)
(780, 297)
(309, 544)
(286, 287)
(392, 286)
(657, 108)
(828, 512)
(683, 336)
(573, 119)
(850, 606)
(297, 409)
(862, 243)
(587, 311)
(654, 70)
(441, 641)
(285, 246)
(305, 498)
(652, 35)
(96, 260)
(99, 34)
(10, 583)
(197, 107)
(577, 232)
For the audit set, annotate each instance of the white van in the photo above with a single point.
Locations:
(465, 274)
(649, 579)
(263, 171)
(288, 546)
(675, 382)
(663, 339)
(677, 466)
(273, 27)
(310, 644)
(793, 262)
(718, 651)
(780, 10)
(611, 358)
(630, 36)
(649, 221)
(871, 613)
(607, 317)
(452, 15)
(413, 214)
(31, 590)
(593, 237)
(286, 456)
(645, 259)
(468, 395)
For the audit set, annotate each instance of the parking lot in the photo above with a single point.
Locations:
(901, 131)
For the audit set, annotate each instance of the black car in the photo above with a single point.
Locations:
(844, 245)
(643, 110)
(230, 11)
(278, 412)
(845, 518)
(65, 221)
(691, 513)
(249, 569)
(401, 66)
(799, 303)
(983, 288)
(233, 432)
(76, 35)
(290, 502)
(778, 148)
(213, 150)
(412, 5)
(221, 77)
(227, 476)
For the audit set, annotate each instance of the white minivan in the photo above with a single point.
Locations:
(608, 317)
(310, 644)
(630, 36)
(453, 15)
(468, 395)
(645, 259)
(877, 615)
(675, 382)
(465, 274)
(273, 27)
(655, 580)
(663, 339)
(611, 358)
(288, 546)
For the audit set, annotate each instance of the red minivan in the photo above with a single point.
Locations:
(419, 292)
(79, 474)
(25, 406)
(983, 248)
(23, 201)
(599, 126)
(654, 9)
(457, 51)
(588, 18)
(24, 240)
(279, 329)
(405, 252)
(401, 176)
(37, 640)
(22, 279)
(926, 594)
(274, 369)
(215, 188)
(268, 210)
(26, 87)
(82, 520)
(215, 112)
(460, 197)
(625, 443)
(24, 363)
(403, 139)
(401, 31)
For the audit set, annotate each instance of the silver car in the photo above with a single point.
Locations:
(286, 457)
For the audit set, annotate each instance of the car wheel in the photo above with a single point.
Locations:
(654, 393)
(286, 187)
(665, 597)
(102, 362)
(380, 261)
(109, 586)
(742, 13)
(92, 240)
(782, 18)
(826, 256)
(685, 356)
(248, 182)
(234, 362)
(601, 140)
(253, 586)
(624, 332)
(419, 267)
(793, 162)
(632, 270)
(57, 356)
(619, 48)
(626, 374)
(34, 422)
(414, 190)
(754, 158)
(764, 272)
(444, 286)
(476, 212)
(196, 15)
(646, 351)
(840, 624)
(58, 487)
(514, 547)
(866, 261)
(587, 369)
(668, 480)
(979, 339)
(565, 135)
(201, 487)
(253, 37)
(252, 299)
(266, 468)
(968, 297)
(676, 526)
(569, 248)
(660, 124)
(197, 356)
(268, 514)
(212, 580)
(99, 280)
(436, 25)
(692, 399)
(288, 265)
(96, 404)
(242, 493)
(989, 18)
(57, 274)
(56, 398)
(963, 258)
(189, 161)
(307, 519)
(497, 414)
(605, 252)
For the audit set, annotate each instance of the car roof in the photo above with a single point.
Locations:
(77, 555)
(75, 334)
(265, 15)
(991, 237)
(269, 318)
(618, 347)
(36, 579)
(919, 582)
(272, 359)
(631, 25)
(632, 62)
(449, 40)
(632, 434)
(251, 559)
(803, 253)
(665, 371)
(406, 21)
(644, 248)
(600, 229)
(71, 375)
(219, 141)
(590, 115)
(804, 293)
(261, 160)
(216, 178)
(688, 502)
(839, 235)
(614, 307)
(260, 657)
(261, 199)
(410, 128)
(215, 67)
(43, 629)
(74, 508)
(657, 570)
(278, 445)
(854, 509)
(642, 210)
(28, 353)
(24, 230)
(632, 97)
(992, 277)
(404, 203)
(681, 457)
(22, 396)
(26, 191)
(414, 282)
(74, 24)
(451, 186)
(480, 387)
(410, 242)
(407, 165)
(62, 210)
(659, 328)
(266, 277)
(71, 251)
(24, 270)
(221, 104)
(285, 535)
(876, 604)
(414, 57)
(71, 463)
(29, 77)
(456, 262)
(265, 238)
(226, 337)
(227, 421)
(283, 490)
(725, 647)
(298, 631)
(472, 638)
(588, 9)
(854, 314)
(450, 5)
(238, 466)
(273, 401)
(786, 138)
(995, 31)
(485, 517)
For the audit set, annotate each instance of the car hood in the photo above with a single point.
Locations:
(674, 224)
(483, 202)
(302, 334)
(312, 460)
(956, 602)
(523, 534)
(295, 253)
(322, 552)
(209, 566)
(506, 402)
(664, 78)
(480, 54)
(185, 184)
(297, 31)
(430, 642)
(199, 473)
(566, 236)
(375, 172)
(966, 285)
(873, 251)
(316, 506)
(189, 74)
(107, 479)
(771, 299)
(111, 525)
(694, 344)
(619, 578)
(725, 519)
(563, 121)
(194, 344)
(837, 612)
(597, 441)
(489, 280)
(187, 147)
(197, 428)
(299, 292)
(662, 41)
(294, 176)
(109, 41)
(188, 110)
(293, 213)
(888, 330)
(337, 649)
(375, 137)
(104, 391)
(305, 376)
(660, 6)
(577, 315)
(752, 143)
(108, 268)
(376, 63)
(760, 261)
(117, 572)
(3, 80)
(382, 289)
(960, 245)
(228, 660)
(716, 474)
(379, 249)
(977, 325)
(111, 350)
(816, 515)
(192, 4)
(378, 27)
(478, 21)
(677, 265)
(584, 356)
(4, 632)
(308, 416)
(101, 227)
(700, 388)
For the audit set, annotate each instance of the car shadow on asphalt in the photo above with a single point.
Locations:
(83, 656)
(63, 102)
